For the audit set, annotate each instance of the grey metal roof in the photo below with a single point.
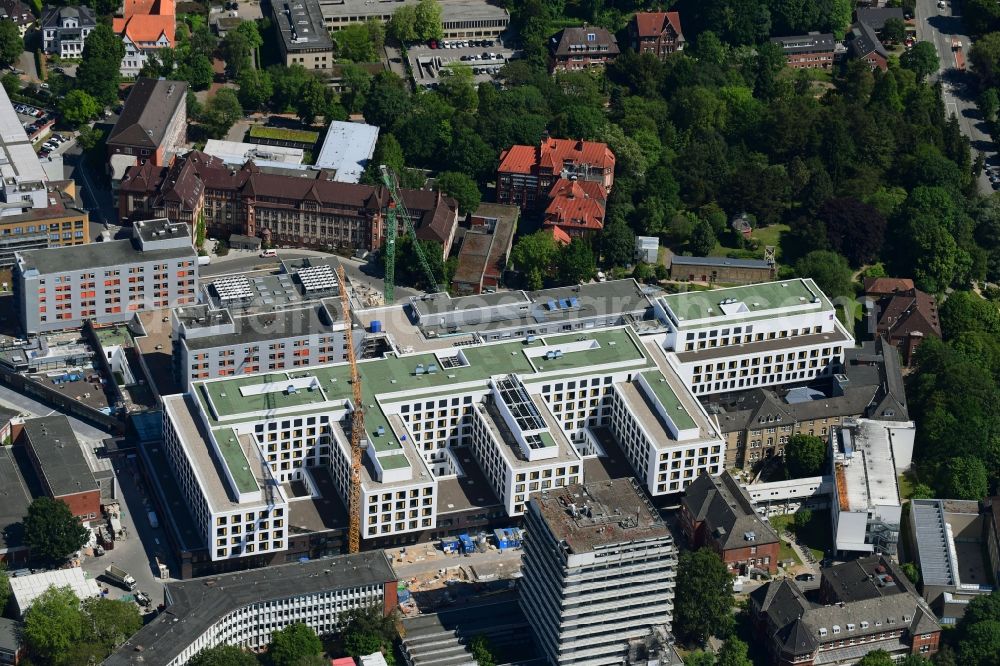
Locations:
(808, 43)
(877, 16)
(195, 605)
(719, 261)
(300, 23)
(10, 634)
(108, 254)
(266, 326)
(149, 107)
(60, 458)
(727, 510)
(930, 534)
(16, 498)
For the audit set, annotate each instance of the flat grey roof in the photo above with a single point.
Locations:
(264, 326)
(59, 455)
(300, 23)
(719, 261)
(451, 10)
(441, 302)
(347, 149)
(619, 512)
(16, 499)
(10, 634)
(18, 158)
(96, 255)
(195, 605)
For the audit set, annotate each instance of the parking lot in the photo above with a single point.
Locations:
(484, 57)
(34, 120)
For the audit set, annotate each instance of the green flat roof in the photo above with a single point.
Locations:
(395, 461)
(236, 460)
(381, 377)
(671, 403)
(282, 134)
(113, 335)
(547, 439)
(760, 299)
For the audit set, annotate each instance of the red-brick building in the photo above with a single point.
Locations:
(658, 33)
(812, 51)
(577, 207)
(906, 316)
(485, 249)
(577, 49)
(865, 45)
(864, 605)
(717, 512)
(527, 174)
(59, 463)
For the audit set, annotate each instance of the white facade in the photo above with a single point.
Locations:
(65, 29)
(136, 54)
(755, 335)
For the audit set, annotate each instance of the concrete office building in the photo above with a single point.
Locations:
(522, 411)
(599, 571)
(947, 537)
(459, 18)
(34, 211)
(246, 608)
(302, 38)
(756, 335)
(60, 288)
(866, 457)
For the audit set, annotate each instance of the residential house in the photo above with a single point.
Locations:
(19, 13)
(658, 33)
(865, 605)
(576, 207)
(576, 49)
(905, 316)
(527, 174)
(64, 30)
(811, 51)
(758, 423)
(865, 45)
(153, 125)
(717, 512)
(146, 26)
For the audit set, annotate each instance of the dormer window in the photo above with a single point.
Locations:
(591, 37)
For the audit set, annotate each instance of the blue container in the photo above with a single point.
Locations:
(376, 326)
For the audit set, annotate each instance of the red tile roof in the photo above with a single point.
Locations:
(145, 20)
(572, 206)
(559, 235)
(517, 159)
(884, 286)
(553, 153)
(651, 24)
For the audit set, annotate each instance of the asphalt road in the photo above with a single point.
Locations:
(940, 27)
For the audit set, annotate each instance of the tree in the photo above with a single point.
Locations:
(984, 56)
(804, 456)
(313, 101)
(99, 73)
(462, 188)
(223, 655)
(238, 48)
(829, 270)
(11, 83)
(52, 531)
(802, 518)
(534, 255)
(356, 83)
(980, 644)
(482, 651)
(617, 243)
(387, 99)
(360, 42)
(876, 658)
(256, 89)
(403, 25)
(702, 239)
(964, 477)
(368, 630)
(53, 624)
(196, 70)
(980, 16)
(911, 571)
(853, 229)
(292, 643)
(89, 137)
(221, 112)
(965, 311)
(4, 588)
(894, 30)
(576, 262)
(111, 621)
(733, 653)
(921, 59)
(78, 107)
(699, 658)
(11, 43)
(703, 602)
(427, 20)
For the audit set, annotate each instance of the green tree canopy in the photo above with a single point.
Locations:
(368, 630)
(702, 239)
(703, 602)
(804, 456)
(964, 477)
(876, 658)
(11, 44)
(290, 644)
(360, 42)
(387, 100)
(99, 72)
(733, 653)
(534, 256)
(256, 89)
(830, 271)
(462, 188)
(53, 624)
(576, 262)
(78, 107)
(617, 243)
(111, 621)
(52, 531)
(921, 59)
(223, 655)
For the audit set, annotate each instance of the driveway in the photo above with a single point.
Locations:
(26, 63)
(940, 27)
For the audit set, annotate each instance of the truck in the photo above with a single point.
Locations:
(120, 577)
(153, 521)
(204, 259)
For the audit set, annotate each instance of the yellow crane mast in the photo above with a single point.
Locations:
(357, 421)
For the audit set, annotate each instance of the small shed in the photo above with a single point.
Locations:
(241, 242)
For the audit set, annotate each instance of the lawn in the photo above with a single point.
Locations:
(815, 535)
(764, 236)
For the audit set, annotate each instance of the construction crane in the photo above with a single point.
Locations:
(395, 211)
(357, 422)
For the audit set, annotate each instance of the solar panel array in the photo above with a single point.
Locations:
(516, 397)
(233, 288)
(316, 279)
